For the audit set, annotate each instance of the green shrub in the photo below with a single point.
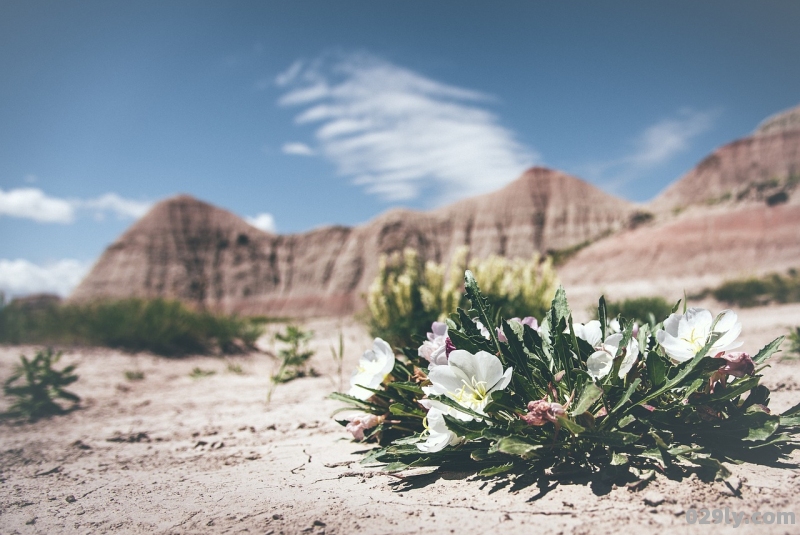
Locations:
(161, 326)
(750, 292)
(794, 340)
(42, 386)
(641, 309)
(407, 295)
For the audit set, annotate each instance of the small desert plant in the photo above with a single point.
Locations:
(199, 373)
(338, 358)
(134, 375)
(42, 386)
(794, 340)
(640, 309)
(407, 295)
(294, 356)
(235, 367)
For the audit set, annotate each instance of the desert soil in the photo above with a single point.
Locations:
(176, 454)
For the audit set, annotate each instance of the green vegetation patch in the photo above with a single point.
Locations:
(755, 291)
(162, 326)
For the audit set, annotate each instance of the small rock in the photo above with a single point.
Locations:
(71, 499)
(31, 522)
(276, 516)
(653, 499)
(81, 445)
(81, 512)
(318, 523)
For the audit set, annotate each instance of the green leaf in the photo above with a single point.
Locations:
(613, 438)
(571, 426)
(407, 386)
(618, 459)
(794, 411)
(517, 446)
(481, 454)
(626, 421)
(395, 467)
(450, 403)
(467, 430)
(496, 470)
(338, 396)
(399, 409)
(732, 390)
(768, 350)
(559, 308)
(627, 395)
(656, 369)
(602, 315)
(480, 304)
(589, 396)
(709, 462)
(502, 401)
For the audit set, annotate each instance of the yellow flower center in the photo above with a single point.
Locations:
(472, 395)
(696, 339)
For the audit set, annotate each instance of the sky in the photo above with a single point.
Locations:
(301, 114)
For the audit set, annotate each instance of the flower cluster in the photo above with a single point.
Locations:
(538, 393)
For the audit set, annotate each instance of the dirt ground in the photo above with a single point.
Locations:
(176, 454)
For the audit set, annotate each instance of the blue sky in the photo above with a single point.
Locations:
(305, 113)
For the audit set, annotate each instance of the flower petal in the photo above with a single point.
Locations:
(481, 366)
(599, 364)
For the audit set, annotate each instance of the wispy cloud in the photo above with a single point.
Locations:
(264, 222)
(297, 149)
(34, 204)
(21, 277)
(397, 132)
(656, 145)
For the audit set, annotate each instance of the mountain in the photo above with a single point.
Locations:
(190, 250)
(736, 214)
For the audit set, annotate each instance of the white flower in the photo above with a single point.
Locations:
(614, 326)
(468, 380)
(482, 328)
(601, 362)
(373, 367)
(439, 436)
(434, 349)
(684, 335)
(590, 332)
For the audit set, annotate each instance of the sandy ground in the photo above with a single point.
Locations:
(173, 454)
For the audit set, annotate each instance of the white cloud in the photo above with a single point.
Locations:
(656, 145)
(21, 277)
(297, 149)
(264, 222)
(33, 203)
(111, 202)
(397, 132)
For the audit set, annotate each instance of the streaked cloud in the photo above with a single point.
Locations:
(656, 145)
(297, 149)
(21, 277)
(264, 222)
(399, 133)
(34, 204)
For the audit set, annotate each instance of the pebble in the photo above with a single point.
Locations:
(71, 499)
(653, 499)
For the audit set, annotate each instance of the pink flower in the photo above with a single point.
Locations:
(530, 321)
(449, 347)
(540, 412)
(360, 423)
(434, 349)
(738, 364)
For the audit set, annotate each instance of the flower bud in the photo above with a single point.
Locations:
(360, 423)
(738, 364)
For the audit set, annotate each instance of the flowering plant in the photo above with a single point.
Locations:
(500, 396)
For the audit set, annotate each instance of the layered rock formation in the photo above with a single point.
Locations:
(736, 214)
(190, 250)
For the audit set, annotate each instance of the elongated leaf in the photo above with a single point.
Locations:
(589, 396)
(399, 409)
(468, 430)
(496, 470)
(656, 369)
(613, 438)
(602, 315)
(353, 401)
(627, 395)
(571, 426)
(733, 390)
(794, 411)
(407, 386)
(518, 446)
(450, 403)
(768, 350)
(481, 305)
